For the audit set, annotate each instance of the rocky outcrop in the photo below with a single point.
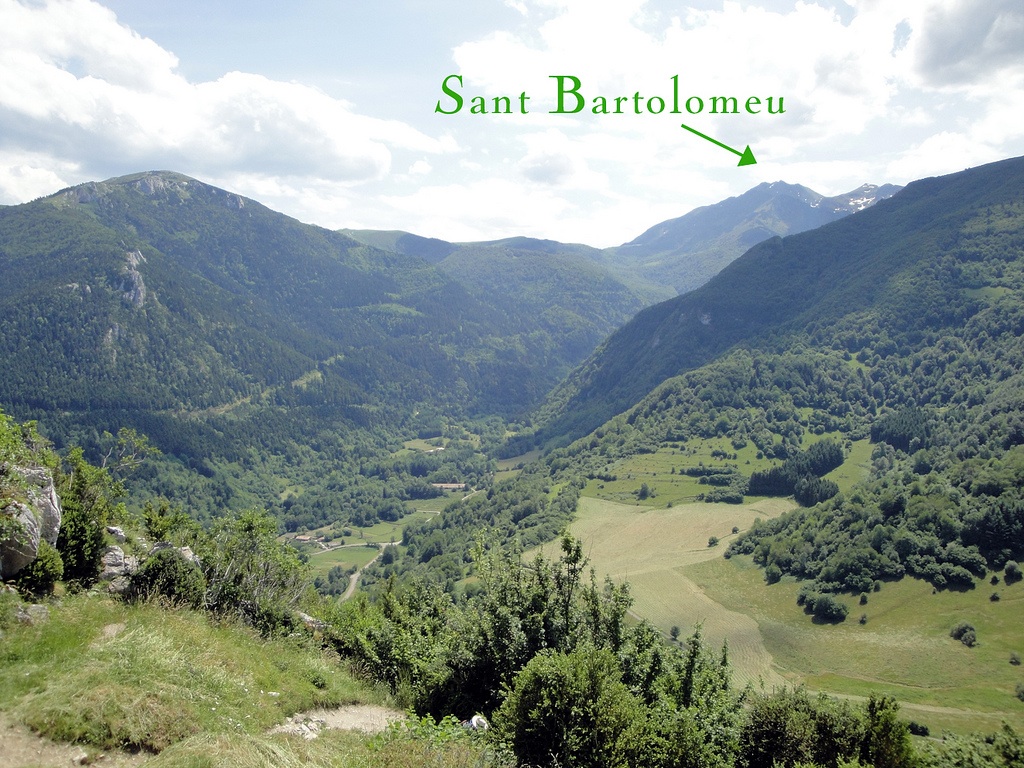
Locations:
(35, 518)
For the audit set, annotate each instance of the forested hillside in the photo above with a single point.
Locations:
(907, 265)
(902, 325)
(269, 361)
(688, 251)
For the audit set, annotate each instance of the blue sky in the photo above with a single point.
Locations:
(325, 110)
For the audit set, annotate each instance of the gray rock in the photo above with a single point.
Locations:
(32, 614)
(185, 552)
(118, 585)
(35, 519)
(113, 563)
(117, 533)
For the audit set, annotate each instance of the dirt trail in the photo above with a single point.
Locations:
(354, 578)
(367, 718)
(22, 748)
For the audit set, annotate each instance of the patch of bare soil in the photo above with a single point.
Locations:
(367, 718)
(22, 748)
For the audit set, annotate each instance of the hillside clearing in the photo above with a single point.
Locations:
(650, 548)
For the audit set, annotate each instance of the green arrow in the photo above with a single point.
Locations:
(746, 156)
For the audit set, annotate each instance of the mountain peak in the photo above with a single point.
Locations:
(687, 251)
(165, 184)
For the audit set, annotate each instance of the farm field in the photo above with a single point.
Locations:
(347, 556)
(650, 547)
(903, 648)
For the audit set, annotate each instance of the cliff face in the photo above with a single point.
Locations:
(28, 517)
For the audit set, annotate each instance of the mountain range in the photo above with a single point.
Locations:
(860, 263)
(212, 324)
(672, 257)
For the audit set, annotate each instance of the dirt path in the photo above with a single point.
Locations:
(367, 718)
(353, 581)
(22, 748)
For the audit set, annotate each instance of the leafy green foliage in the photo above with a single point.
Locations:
(570, 709)
(249, 574)
(40, 576)
(169, 576)
(87, 494)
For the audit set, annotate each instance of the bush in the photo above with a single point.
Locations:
(713, 541)
(1012, 572)
(828, 608)
(39, 576)
(569, 710)
(1015, 658)
(169, 575)
(965, 633)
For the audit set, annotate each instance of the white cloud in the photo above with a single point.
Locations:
(960, 41)
(874, 91)
(98, 98)
(944, 152)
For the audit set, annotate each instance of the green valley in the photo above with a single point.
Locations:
(804, 477)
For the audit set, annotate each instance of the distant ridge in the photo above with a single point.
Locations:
(783, 284)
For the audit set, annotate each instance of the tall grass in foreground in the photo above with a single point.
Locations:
(144, 677)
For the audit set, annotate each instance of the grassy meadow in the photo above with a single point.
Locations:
(661, 546)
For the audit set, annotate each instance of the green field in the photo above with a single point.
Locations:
(650, 548)
(856, 467)
(903, 649)
(350, 556)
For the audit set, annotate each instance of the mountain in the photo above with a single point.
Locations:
(869, 261)
(672, 257)
(561, 287)
(427, 248)
(272, 362)
(688, 251)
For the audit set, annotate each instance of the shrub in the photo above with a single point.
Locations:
(1015, 658)
(573, 709)
(713, 541)
(828, 608)
(169, 575)
(39, 576)
(1020, 691)
(1012, 572)
(965, 633)
(994, 597)
(916, 729)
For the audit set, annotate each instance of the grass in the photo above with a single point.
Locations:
(332, 749)
(649, 547)
(660, 545)
(855, 469)
(143, 677)
(903, 649)
(355, 556)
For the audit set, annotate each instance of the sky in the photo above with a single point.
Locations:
(335, 112)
